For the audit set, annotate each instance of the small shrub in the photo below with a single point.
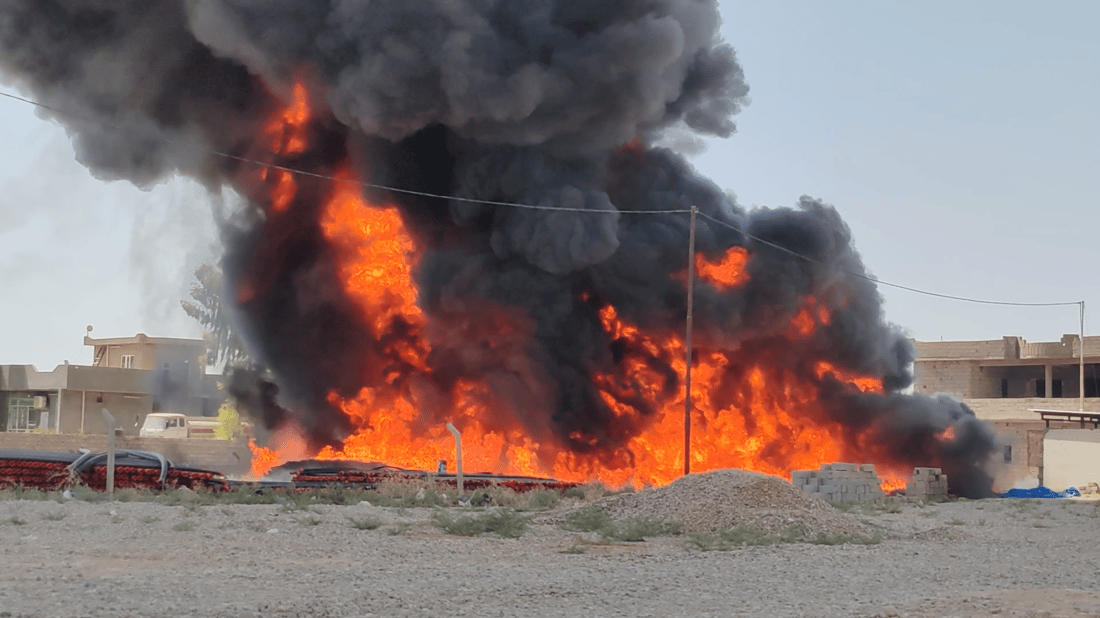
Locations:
(503, 522)
(309, 521)
(590, 519)
(20, 492)
(542, 500)
(843, 507)
(399, 529)
(957, 522)
(575, 548)
(54, 516)
(15, 521)
(592, 491)
(185, 526)
(595, 519)
(637, 528)
(575, 492)
(366, 523)
(148, 519)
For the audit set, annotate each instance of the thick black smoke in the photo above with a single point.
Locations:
(546, 102)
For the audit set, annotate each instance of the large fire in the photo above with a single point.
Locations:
(765, 429)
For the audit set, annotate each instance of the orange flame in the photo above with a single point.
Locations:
(745, 414)
(727, 272)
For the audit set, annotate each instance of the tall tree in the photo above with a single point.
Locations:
(223, 344)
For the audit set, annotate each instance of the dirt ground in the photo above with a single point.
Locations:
(91, 557)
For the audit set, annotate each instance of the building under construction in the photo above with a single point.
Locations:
(1047, 416)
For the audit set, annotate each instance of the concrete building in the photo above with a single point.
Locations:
(130, 376)
(1008, 382)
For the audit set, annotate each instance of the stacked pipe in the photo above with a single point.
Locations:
(49, 471)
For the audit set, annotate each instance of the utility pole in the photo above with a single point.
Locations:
(1081, 354)
(687, 343)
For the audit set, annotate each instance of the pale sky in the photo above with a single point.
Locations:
(959, 140)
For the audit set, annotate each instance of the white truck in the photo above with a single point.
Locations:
(176, 425)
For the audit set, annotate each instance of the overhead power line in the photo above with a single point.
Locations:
(887, 283)
(369, 185)
(381, 187)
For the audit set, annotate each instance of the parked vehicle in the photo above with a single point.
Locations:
(176, 425)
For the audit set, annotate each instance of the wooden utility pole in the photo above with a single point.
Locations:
(687, 343)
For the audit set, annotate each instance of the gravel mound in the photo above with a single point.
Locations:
(724, 499)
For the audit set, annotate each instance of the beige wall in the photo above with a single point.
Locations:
(952, 377)
(228, 457)
(126, 410)
(1026, 440)
(1071, 458)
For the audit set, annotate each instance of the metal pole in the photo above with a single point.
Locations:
(687, 343)
(110, 451)
(458, 455)
(1081, 404)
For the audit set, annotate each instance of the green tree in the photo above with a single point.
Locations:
(222, 343)
(229, 426)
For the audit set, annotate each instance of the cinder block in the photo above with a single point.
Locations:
(867, 468)
(844, 467)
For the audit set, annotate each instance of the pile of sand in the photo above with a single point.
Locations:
(724, 499)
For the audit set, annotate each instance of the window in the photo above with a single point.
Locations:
(1040, 388)
(1008, 453)
(127, 361)
(1055, 388)
(19, 414)
(1004, 387)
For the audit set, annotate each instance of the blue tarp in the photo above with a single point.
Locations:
(1041, 492)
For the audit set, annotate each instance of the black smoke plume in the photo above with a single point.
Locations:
(545, 102)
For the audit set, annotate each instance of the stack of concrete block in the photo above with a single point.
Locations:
(840, 482)
(928, 484)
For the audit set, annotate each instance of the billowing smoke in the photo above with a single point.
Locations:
(551, 103)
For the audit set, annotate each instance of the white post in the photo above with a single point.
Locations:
(458, 455)
(83, 404)
(110, 451)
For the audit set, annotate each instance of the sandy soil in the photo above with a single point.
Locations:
(78, 557)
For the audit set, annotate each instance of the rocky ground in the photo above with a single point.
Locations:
(87, 556)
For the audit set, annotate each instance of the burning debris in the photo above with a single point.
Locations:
(550, 334)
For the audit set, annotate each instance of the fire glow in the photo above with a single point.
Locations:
(766, 430)
(385, 281)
